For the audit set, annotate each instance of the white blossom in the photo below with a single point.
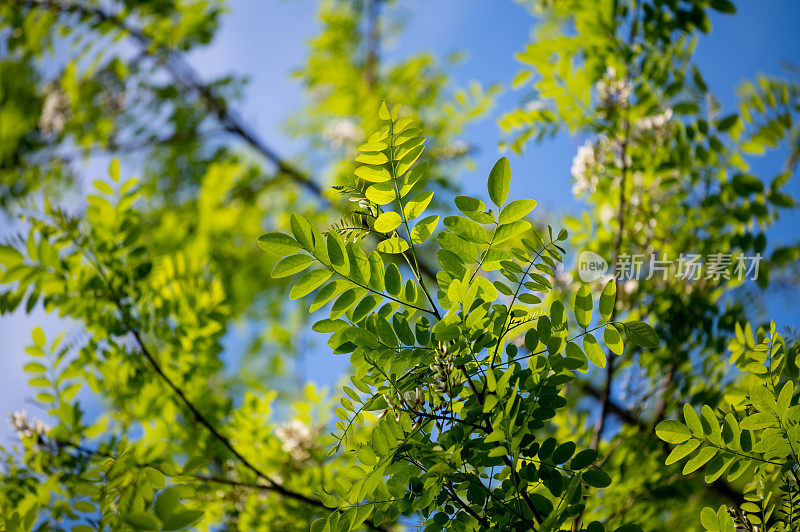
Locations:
(297, 439)
(455, 149)
(613, 91)
(656, 125)
(584, 169)
(55, 110)
(341, 131)
(20, 424)
(535, 105)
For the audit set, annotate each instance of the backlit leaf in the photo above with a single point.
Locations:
(499, 181)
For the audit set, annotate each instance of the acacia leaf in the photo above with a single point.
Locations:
(499, 181)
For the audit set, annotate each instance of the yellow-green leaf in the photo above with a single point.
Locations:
(387, 222)
(607, 299)
(309, 282)
(291, 265)
(373, 174)
(499, 181)
(424, 229)
(593, 351)
(278, 243)
(393, 245)
(381, 193)
(583, 306)
(516, 210)
(418, 204)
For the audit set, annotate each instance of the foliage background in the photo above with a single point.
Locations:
(266, 41)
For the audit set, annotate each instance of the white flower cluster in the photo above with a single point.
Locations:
(535, 105)
(55, 111)
(414, 398)
(656, 125)
(613, 91)
(297, 439)
(341, 132)
(457, 148)
(20, 424)
(590, 160)
(585, 166)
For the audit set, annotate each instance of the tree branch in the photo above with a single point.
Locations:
(188, 78)
(719, 486)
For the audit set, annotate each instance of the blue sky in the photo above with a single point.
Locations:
(266, 39)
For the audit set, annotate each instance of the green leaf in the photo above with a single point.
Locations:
(38, 336)
(723, 6)
(641, 334)
(103, 187)
(34, 367)
(387, 222)
(563, 452)
(344, 302)
(365, 306)
(183, 519)
(583, 459)
(731, 430)
(381, 193)
(511, 230)
(383, 112)
(142, 521)
(408, 160)
(113, 169)
(402, 329)
(716, 467)
(172, 513)
(596, 478)
(693, 420)
(372, 158)
(681, 451)
(714, 431)
(708, 518)
(497, 451)
(309, 282)
(613, 340)
(394, 245)
(328, 292)
(373, 174)
(393, 280)
(468, 204)
(593, 351)
(758, 421)
(673, 431)
(337, 252)
(411, 178)
(168, 501)
(746, 184)
(499, 181)
(301, 229)
(278, 243)
(466, 229)
(291, 265)
(607, 299)
(698, 460)
(516, 210)
(785, 399)
(424, 229)
(583, 306)
(417, 205)
(727, 122)
(376, 272)
(10, 256)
